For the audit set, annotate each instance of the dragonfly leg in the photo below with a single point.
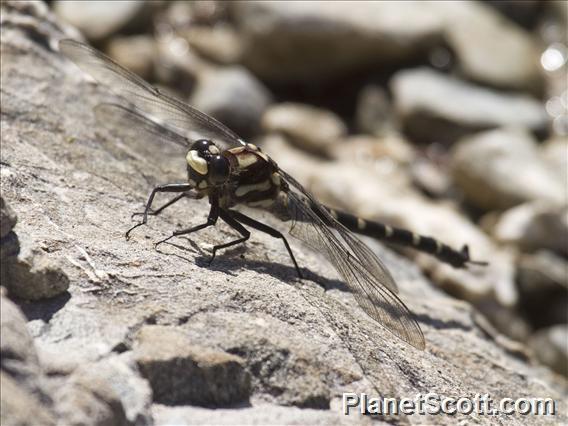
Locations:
(267, 230)
(227, 216)
(161, 208)
(211, 220)
(171, 187)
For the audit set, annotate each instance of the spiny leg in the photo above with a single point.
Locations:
(171, 187)
(267, 230)
(162, 207)
(211, 220)
(226, 215)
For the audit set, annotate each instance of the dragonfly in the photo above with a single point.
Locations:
(230, 172)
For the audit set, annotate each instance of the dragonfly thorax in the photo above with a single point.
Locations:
(206, 166)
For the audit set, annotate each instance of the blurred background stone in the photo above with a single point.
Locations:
(315, 130)
(503, 168)
(434, 107)
(99, 20)
(299, 41)
(137, 53)
(551, 347)
(234, 96)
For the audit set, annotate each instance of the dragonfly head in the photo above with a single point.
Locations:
(205, 165)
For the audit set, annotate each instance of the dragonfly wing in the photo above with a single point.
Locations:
(148, 99)
(312, 224)
(130, 124)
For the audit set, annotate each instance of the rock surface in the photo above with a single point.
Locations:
(183, 373)
(435, 107)
(304, 342)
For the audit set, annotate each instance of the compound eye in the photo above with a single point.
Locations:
(201, 146)
(219, 169)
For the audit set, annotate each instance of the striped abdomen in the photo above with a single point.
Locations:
(391, 234)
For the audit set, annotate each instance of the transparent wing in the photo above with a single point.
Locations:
(129, 124)
(371, 284)
(359, 249)
(148, 99)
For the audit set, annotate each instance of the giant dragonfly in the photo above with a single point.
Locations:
(230, 172)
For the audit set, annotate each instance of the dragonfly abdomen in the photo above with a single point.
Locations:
(403, 237)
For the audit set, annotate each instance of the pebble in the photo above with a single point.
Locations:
(313, 129)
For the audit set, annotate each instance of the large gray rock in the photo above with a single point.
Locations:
(503, 168)
(304, 342)
(435, 107)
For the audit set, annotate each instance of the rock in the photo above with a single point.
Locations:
(555, 154)
(551, 347)
(313, 129)
(34, 275)
(374, 151)
(220, 43)
(9, 249)
(541, 279)
(426, 103)
(489, 48)
(100, 20)
(374, 114)
(430, 178)
(137, 53)
(534, 226)
(20, 406)
(282, 43)
(18, 355)
(234, 96)
(181, 372)
(106, 392)
(177, 66)
(524, 12)
(303, 342)
(8, 218)
(486, 168)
